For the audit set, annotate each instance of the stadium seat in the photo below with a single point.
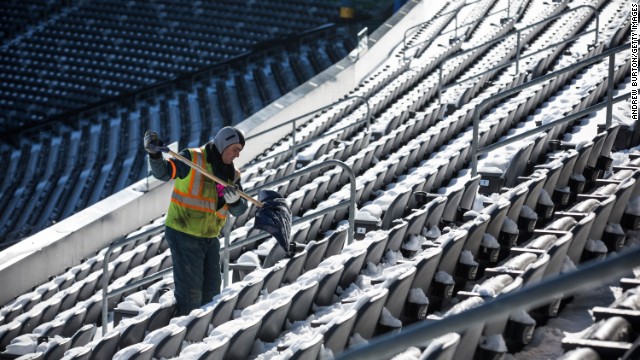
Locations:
(106, 346)
(441, 348)
(353, 263)
(83, 336)
(168, 340)
(401, 278)
(242, 334)
(302, 300)
(316, 250)
(211, 349)
(249, 291)
(336, 337)
(133, 331)
(142, 351)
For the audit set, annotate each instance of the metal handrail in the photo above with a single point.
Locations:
(428, 42)
(251, 239)
(475, 152)
(295, 146)
(105, 271)
(406, 47)
(518, 47)
(530, 296)
(106, 294)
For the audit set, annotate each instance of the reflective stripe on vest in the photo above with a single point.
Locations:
(192, 198)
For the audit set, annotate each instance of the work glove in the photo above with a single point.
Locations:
(231, 195)
(152, 143)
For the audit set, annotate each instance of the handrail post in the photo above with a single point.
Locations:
(440, 85)
(455, 30)
(105, 284)
(105, 269)
(474, 142)
(517, 52)
(293, 136)
(226, 254)
(612, 60)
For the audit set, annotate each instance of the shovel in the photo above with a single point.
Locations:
(273, 214)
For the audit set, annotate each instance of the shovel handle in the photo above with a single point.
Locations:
(204, 172)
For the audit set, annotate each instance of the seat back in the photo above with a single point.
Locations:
(273, 278)
(249, 292)
(557, 254)
(581, 233)
(336, 242)
(309, 349)
(442, 348)
(426, 263)
(83, 336)
(396, 235)
(302, 301)
(273, 321)
(133, 331)
(106, 347)
(215, 350)
(161, 316)
(398, 292)
(294, 267)
(352, 267)
(241, 342)
(396, 209)
(198, 326)
(452, 244)
(170, 345)
(57, 351)
(369, 313)
(141, 351)
(337, 335)
(327, 286)
(315, 253)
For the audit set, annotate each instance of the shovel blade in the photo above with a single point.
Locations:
(274, 217)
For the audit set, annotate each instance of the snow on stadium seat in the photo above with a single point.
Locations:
(441, 348)
(336, 337)
(141, 351)
(106, 346)
(167, 340)
(242, 333)
(273, 310)
(211, 348)
(426, 264)
(369, 312)
(328, 275)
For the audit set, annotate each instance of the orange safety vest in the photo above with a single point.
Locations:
(193, 208)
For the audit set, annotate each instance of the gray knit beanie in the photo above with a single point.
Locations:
(228, 136)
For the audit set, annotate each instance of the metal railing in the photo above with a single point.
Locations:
(106, 294)
(608, 103)
(518, 47)
(134, 285)
(293, 122)
(406, 47)
(530, 296)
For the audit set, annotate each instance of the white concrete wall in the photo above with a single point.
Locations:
(52, 250)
